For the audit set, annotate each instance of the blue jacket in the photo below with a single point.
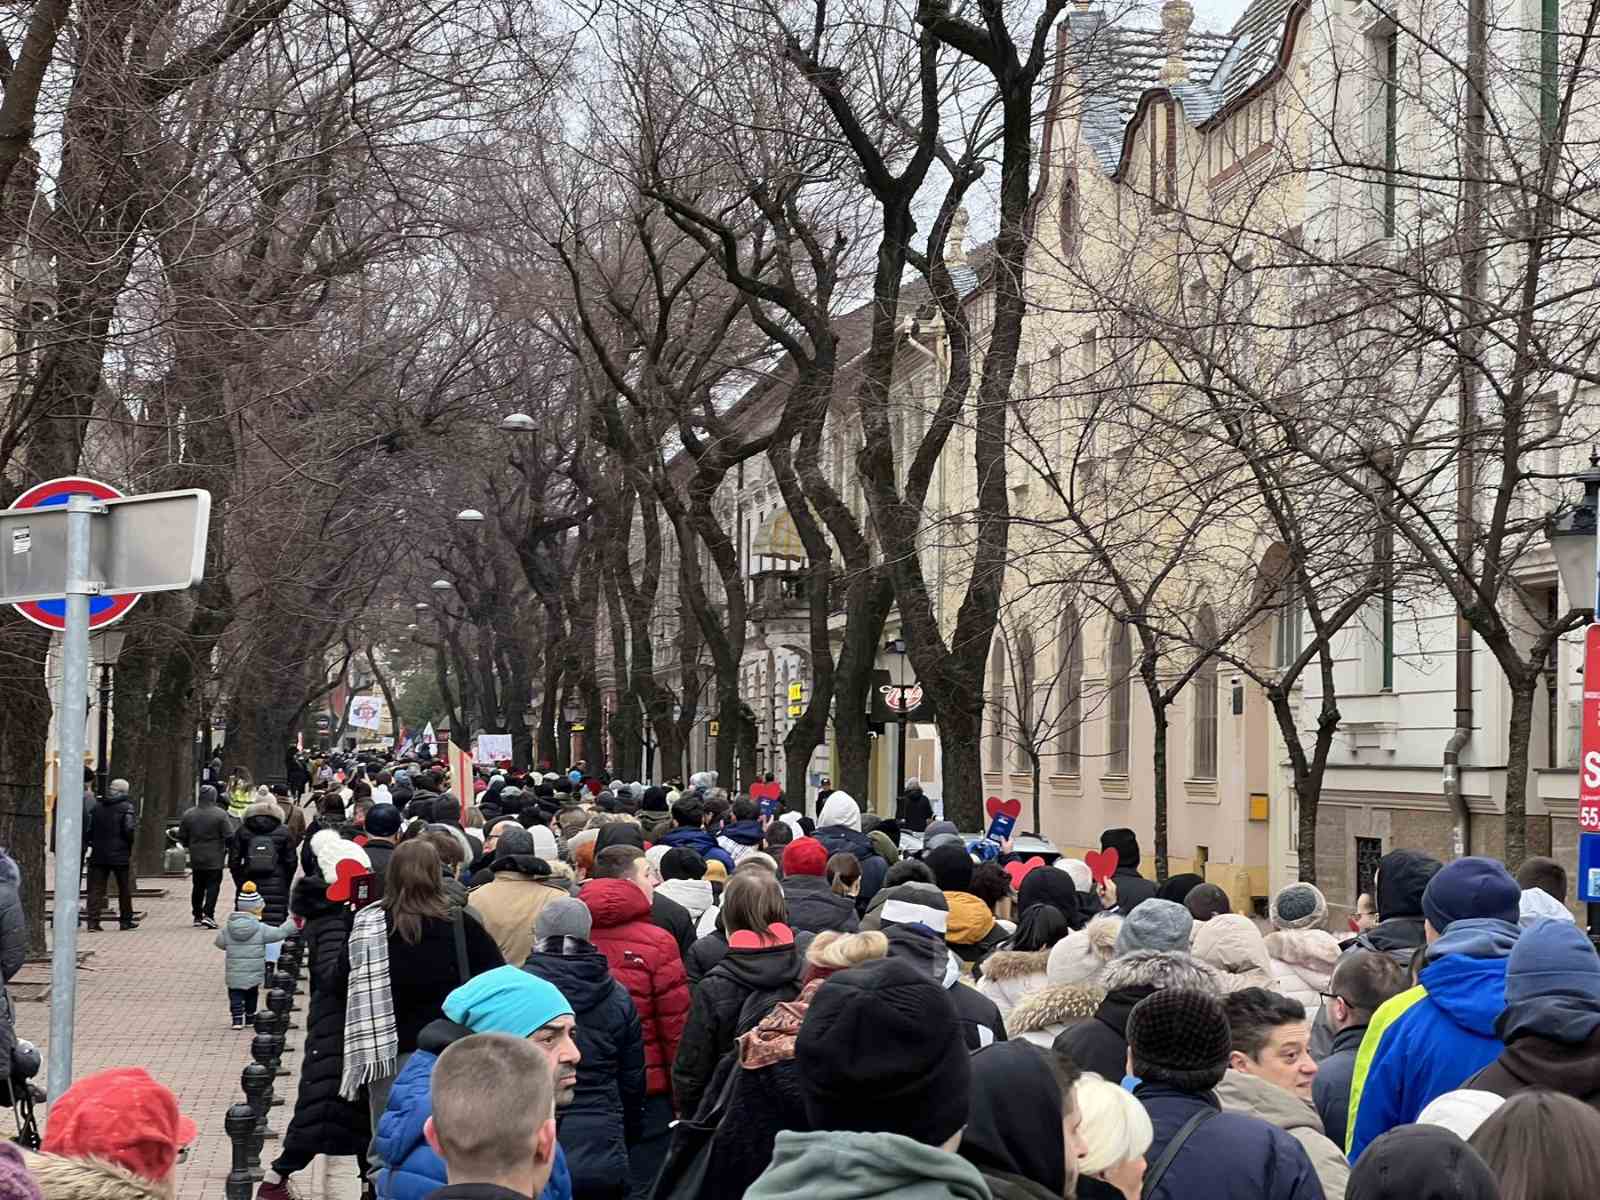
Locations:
(701, 842)
(411, 1170)
(1444, 1034)
(1230, 1157)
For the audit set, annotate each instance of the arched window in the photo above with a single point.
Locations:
(1027, 735)
(1069, 211)
(997, 705)
(1290, 638)
(1118, 725)
(1205, 698)
(1069, 694)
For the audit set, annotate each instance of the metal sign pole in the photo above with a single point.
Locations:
(73, 710)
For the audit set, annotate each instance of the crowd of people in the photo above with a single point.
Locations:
(575, 988)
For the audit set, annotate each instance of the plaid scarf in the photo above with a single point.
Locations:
(371, 1042)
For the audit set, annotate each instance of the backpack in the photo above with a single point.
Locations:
(261, 857)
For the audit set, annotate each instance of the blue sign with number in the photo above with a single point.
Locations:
(1589, 868)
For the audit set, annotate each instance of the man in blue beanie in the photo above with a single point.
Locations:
(1551, 1025)
(1429, 1040)
(506, 1000)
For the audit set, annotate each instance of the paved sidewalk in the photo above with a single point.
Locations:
(154, 997)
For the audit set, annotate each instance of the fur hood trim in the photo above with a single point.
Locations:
(1059, 1004)
(1161, 969)
(1307, 950)
(90, 1179)
(263, 808)
(1003, 965)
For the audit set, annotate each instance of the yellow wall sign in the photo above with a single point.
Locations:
(715, 727)
(797, 692)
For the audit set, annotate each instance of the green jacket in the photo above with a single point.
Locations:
(850, 1166)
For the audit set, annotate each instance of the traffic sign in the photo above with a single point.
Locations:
(1589, 739)
(1589, 868)
(52, 613)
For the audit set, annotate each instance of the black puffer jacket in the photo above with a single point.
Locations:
(264, 819)
(323, 1122)
(706, 953)
(745, 984)
(603, 1119)
(110, 833)
(813, 906)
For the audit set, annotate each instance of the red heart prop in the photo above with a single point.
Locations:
(345, 872)
(765, 790)
(996, 806)
(1019, 870)
(1102, 863)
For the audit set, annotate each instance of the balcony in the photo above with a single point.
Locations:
(775, 595)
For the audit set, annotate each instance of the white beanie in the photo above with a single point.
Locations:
(1082, 955)
(1082, 877)
(656, 853)
(1540, 905)
(1461, 1111)
(329, 848)
(544, 843)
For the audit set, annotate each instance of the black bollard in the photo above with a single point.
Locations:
(257, 1083)
(241, 1126)
(280, 1004)
(266, 1025)
(288, 985)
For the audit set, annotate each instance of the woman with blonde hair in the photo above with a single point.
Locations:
(1117, 1133)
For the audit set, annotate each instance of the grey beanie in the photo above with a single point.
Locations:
(208, 794)
(513, 840)
(1298, 906)
(937, 827)
(1155, 925)
(564, 917)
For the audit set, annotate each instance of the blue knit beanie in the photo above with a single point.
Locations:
(1471, 888)
(1552, 984)
(506, 1000)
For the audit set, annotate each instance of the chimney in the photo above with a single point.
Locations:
(1176, 17)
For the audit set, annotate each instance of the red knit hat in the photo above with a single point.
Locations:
(805, 856)
(120, 1116)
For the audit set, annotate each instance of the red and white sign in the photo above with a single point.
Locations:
(1589, 744)
(52, 614)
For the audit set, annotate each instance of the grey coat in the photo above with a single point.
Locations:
(206, 830)
(246, 940)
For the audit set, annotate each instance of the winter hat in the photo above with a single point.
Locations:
(682, 862)
(249, 899)
(792, 820)
(1126, 844)
(1081, 957)
(330, 850)
(15, 1181)
(208, 795)
(935, 828)
(544, 843)
(1299, 906)
(1078, 870)
(951, 866)
(1552, 985)
(1421, 1162)
(657, 854)
(1053, 888)
(514, 840)
(716, 870)
(619, 833)
(840, 809)
(1539, 905)
(920, 904)
(881, 1051)
(121, 1116)
(383, 820)
(1471, 888)
(564, 917)
(506, 1000)
(805, 856)
(1460, 1111)
(1155, 925)
(1180, 1037)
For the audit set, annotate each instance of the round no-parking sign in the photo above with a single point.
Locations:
(52, 614)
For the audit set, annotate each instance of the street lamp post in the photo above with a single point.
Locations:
(898, 646)
(107, 649)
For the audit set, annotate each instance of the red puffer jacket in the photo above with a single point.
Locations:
(644, 960)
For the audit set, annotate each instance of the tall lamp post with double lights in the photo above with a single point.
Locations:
(107, 648)
(898, 647)
(1573, 534)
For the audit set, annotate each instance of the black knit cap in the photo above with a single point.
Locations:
(881, 1051)
(951, 867)
(1180, 1037)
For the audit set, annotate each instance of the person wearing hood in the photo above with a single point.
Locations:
(607, 1109)
(1402, 878)
(813, 905)
(263, 855)
(1023, 1130)
(1270, 1075)
(323, 1121)
(973, 933)
(744, 833)
(1152, 954)
(1361, 984)
(1551, 1022)
(205, 831)
(683, 881)
(839, 831)
(645, 960)
(915, 810)
(1133, 889)
(913, 917)
(509, 905)
(506, 1000)
(1179, 1047)
(1300, 950)
(887, 1087)
(1234, 946)
(1539, 905)
(245, 939)
(113, 1135)
(109, 838)
(688, 829)
(1018, 969)
(1427, 1041)
(762, 967)
(665, 913)
(1421, 1162)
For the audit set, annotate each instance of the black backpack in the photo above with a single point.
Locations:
(261, 857)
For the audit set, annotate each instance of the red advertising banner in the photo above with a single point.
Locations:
(1589, 745)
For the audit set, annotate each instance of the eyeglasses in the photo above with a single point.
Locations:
(1332, 996)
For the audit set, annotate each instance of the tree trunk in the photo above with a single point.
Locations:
(960, 721)
(1038, 821)
(24, 726)
(1158, 756)
(1519, 735)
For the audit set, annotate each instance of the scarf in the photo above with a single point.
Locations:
(371, 1041)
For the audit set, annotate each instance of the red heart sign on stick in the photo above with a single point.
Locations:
(1102, 863)
(998, 807)
(1019, 870)
(345, 872)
